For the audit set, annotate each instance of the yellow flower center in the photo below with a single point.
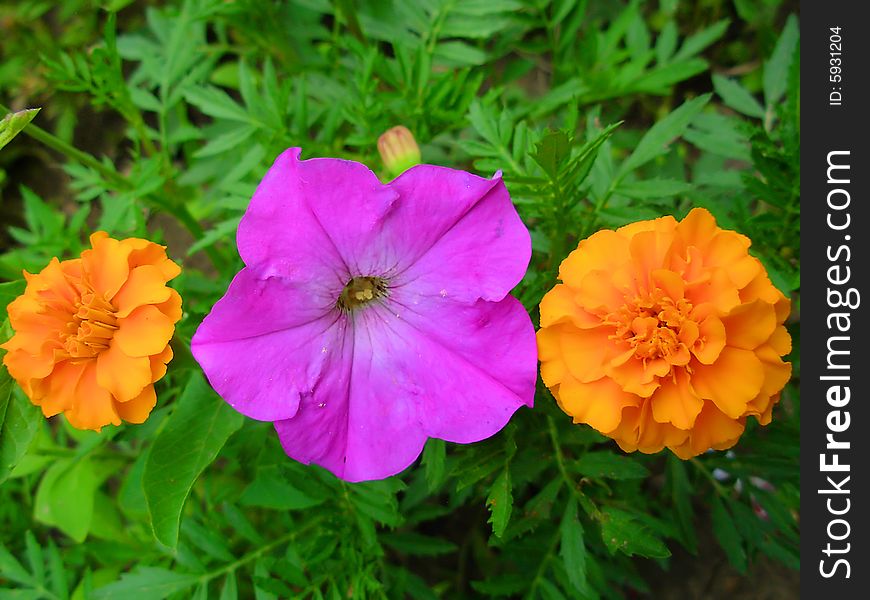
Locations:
(91, 328)
(655, 326)
(361, 291)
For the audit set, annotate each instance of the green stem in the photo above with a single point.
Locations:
(179, 211)
(581, 498)
(542, 566)
(706, 472)
(205, 578)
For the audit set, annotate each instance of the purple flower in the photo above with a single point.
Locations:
(370, 317)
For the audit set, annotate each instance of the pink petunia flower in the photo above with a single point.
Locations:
(370, 317)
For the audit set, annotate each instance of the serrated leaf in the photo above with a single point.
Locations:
(653, 188)
(551, 151)
(20, 423)
(13, 123)
(655, 142)
(192, 437)
(500, 502)
(726, 533)
(434, 458)
(681, 491)
(270, 490)
(572, 548)
(230, 589)
(775, 79)
(621, 532)
(737, 97)
(147, 583)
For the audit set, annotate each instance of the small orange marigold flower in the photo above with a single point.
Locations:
(665, 334)
(92, 334)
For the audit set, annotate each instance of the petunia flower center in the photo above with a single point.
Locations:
(91, 328)
(361, 291)
(655, 326)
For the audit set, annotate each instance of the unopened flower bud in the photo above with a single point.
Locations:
(399, 150)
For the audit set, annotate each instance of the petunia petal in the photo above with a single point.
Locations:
(403, 377)
(272, 331)
(474, 244)
(299, 226)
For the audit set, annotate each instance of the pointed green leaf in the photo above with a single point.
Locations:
(737, 97)
(572, 547)
(656, 141)
(776, 69)
(193, 435)
(13, 123)
(500, 502)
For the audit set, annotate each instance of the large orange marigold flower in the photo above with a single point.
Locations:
(92, 333)
(665, 334)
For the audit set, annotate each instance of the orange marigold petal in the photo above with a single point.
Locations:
(731, 382)
(58, 393)
(159, 362)
(92, 406)
(780, 340)
(124, 376)
(605, 250)
(559, 305)
(676, 402)
(750, 325)
(713, 429)
(106, 264)
(145, 332)
(145, 285)
(697, 229)
(137, 409)
(711, 340)
(638, 431)
(649, 250)
(599, 292)
(172, 307)
(598, 403)
(585, 352)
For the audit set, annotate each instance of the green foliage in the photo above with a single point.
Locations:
(597, 114)
(12, 124)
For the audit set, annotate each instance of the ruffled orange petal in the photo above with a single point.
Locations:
(137, 409)
(750, 325)
(92, 406)
(145, 332)
(106, 264)
(599, 403)
(676, 402)
(122, 375)
(605, 250)
(145, 285)
(731, 382)
(559, 305)
(713, 429)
